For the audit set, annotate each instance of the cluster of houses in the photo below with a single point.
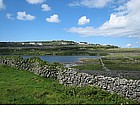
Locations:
(32, 43)
(60, 42)
(79, 43)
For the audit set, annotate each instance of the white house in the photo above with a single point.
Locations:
(32, 43)
(64, 43)
(40, 44)
(82, 43)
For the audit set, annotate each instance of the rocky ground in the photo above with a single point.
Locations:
(115, 73)
(106, 72)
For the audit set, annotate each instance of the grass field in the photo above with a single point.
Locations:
(88, 67)
(117, 59)
(22, 87)
(89, 64)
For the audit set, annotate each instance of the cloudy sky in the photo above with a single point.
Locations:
(114, 22)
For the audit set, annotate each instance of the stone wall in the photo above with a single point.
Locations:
(115, 73)
(127, 88)
(70, 77)
(34, 65)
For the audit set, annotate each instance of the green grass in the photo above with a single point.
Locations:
(89, 64)
(118, 61)
(129, 63)
(22, 87)
(88, 67)
(128, 67)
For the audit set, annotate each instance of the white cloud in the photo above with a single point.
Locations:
(2, 6)
(83, 20)
(128, 45)
(9, 16)
(91, 3)
(24, 16)
(137, 42)
(35, 1)
(125, 22)
(45, 7)
(54, 19)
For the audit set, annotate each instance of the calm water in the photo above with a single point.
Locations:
(62, 59)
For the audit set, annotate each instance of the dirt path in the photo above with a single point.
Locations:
(103, 65)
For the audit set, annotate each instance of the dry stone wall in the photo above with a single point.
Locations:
(127, 88)
(70, 77)
(34, 65)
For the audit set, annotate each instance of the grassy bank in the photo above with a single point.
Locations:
(22, 87)
(56, 49)
(123, 61)
(88, 67)
(114, 61)
(89, 64)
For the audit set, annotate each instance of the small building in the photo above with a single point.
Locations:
(40, 44)
(83, 43)
(64, 43)
(32, 43)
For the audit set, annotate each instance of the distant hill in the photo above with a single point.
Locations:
(53, 43)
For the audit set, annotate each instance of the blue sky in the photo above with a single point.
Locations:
(114, 22)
